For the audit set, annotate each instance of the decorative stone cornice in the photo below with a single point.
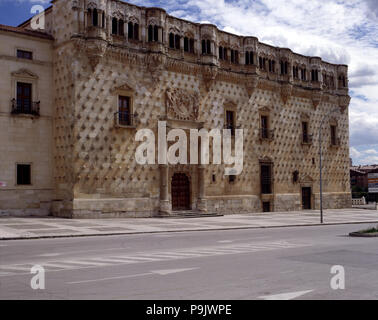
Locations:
(286, 92)
(344, 102)
(209, 75)
(251, 84)
(316, 97)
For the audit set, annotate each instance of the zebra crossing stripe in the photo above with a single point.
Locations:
(17, 267)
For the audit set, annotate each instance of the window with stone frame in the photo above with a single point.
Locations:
(153, 33)
(262, 63)
(24, 98)
(295, 72)
(24, 54)
(230, 121)
(174, 41)
(114, 26)
(334, 138)
(206, 47)
(306, 138)
(234, 56)
(188, 45)
(303, 74)
(249, 58)
(133, 31)
(124, 111)
(266, 178)
(272, 65)
(284, 67)
(264, 126)
(342, 82)
(314, 75)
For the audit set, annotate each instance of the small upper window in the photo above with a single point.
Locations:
(23, 174)
(23, 54)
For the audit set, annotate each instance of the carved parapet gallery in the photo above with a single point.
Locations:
(286, 92)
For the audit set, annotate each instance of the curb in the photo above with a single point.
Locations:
(363, 235)
(181, 231)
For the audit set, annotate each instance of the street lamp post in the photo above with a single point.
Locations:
(321, 164)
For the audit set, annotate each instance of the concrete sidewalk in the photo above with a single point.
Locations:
(35, 228)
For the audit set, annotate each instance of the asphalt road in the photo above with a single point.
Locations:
(283, 263)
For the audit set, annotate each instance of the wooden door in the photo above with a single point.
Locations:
(306, 198)
(180, 192)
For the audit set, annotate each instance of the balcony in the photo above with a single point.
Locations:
(96, 32)
(307, 139)
(20, 107)
(266, 134)
(125, 120)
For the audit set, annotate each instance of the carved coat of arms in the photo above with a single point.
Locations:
(182, 105)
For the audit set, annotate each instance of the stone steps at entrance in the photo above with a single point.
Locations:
(190, 214)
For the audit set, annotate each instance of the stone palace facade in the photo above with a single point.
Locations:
(73, 95)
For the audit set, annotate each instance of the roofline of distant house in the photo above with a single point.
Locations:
(27, 21)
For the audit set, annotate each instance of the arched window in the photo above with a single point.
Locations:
(249, 58)
(221, 55)
(262, 63)
(303, 74)
(130, 30)
(95, 18)
(284, 67)
(136, 31)
(153, 33)
(120, 27)
(133, 31)
(156, 33)
(234, 56)
(314, 75)
(342, 81)
(150, 33)
(177, 41)
(171, 40)
(206, 47)
(272, 66)
(114, 26)
(189, 45)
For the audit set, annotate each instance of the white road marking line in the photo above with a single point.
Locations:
(158, 272)
(17, 267)
(172, 271)
(85, 262)
(225, 241)
(49, 255)
(113, 278)
(286, 296)
(185, 253)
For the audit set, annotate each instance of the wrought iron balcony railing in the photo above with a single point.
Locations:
(23, 107)
(125, 119)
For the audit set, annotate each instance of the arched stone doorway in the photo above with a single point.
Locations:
(180, 190)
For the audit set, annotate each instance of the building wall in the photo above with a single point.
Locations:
(25, 138)
(93, 160)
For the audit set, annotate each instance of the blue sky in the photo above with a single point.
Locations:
(340, 31)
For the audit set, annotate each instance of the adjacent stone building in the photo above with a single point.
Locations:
(74, 95)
